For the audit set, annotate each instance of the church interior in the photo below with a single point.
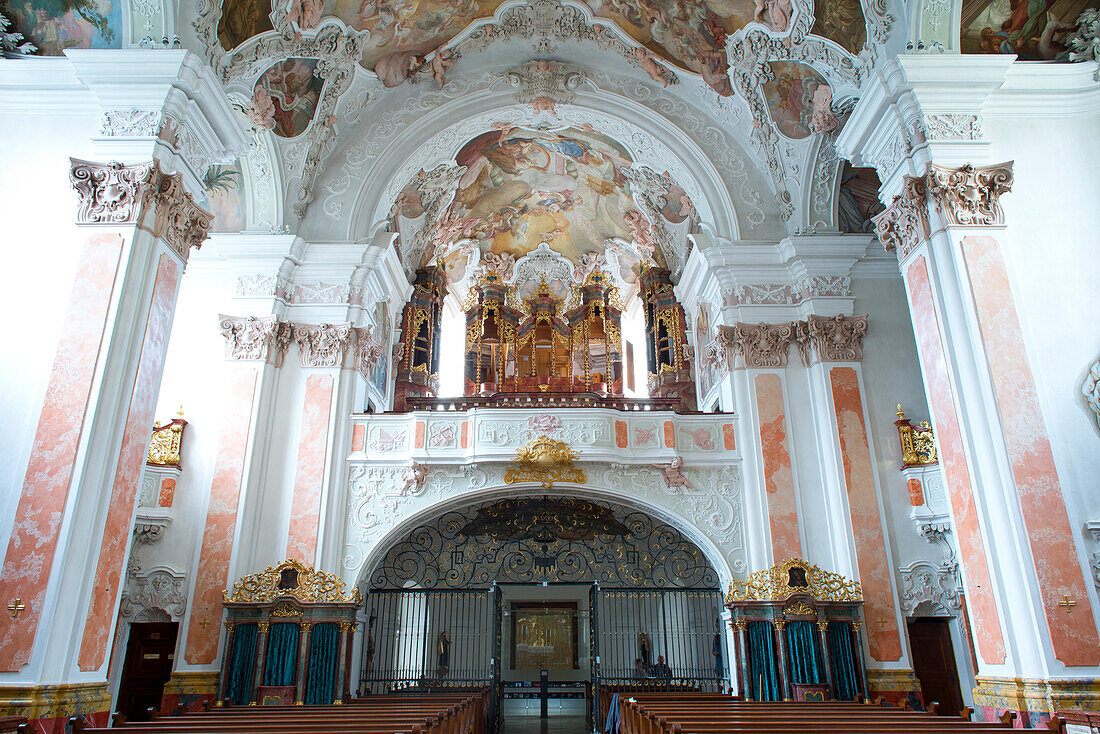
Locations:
(551, 366)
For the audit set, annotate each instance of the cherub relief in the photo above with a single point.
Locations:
(674, 475)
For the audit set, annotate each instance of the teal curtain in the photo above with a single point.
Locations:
(324, 654)
(241, 664)
(763, 667)
(802, 652)
(842, 660)
(280, 667)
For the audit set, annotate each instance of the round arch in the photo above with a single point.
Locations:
(693, 534)
(652, 139)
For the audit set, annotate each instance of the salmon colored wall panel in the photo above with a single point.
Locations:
(1050, 535)
(135, 445)
(309, 476)
(879, 605)
(984, 616)
(778, 476)
(33, 540)
(221, 519)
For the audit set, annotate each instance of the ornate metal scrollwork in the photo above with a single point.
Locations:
(551, 539)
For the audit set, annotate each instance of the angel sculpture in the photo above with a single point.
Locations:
(674, 475)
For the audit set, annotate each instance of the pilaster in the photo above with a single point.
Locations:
(923, 125)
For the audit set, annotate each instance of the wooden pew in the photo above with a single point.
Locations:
(390, 714)
(699, 713)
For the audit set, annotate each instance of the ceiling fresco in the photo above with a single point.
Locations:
(522, 187)
(55, 26)
(285, 97)
(795, 94)
(1033, 29)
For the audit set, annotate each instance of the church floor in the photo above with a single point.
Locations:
(549, 725)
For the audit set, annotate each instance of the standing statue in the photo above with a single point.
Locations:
(643, 649)
(443, 649)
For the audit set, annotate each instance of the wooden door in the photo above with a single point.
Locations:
(934, 663)
(147, 668)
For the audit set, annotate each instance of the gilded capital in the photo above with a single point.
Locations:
(970, 195)
(109, 192)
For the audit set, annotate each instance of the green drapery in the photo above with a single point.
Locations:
(241, 664)
(324, 654)
(763, 668)
(280, 666)
(802, 652)
(842, 660)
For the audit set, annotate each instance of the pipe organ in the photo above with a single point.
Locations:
(667, 351)
(540, 343)
(418, 362)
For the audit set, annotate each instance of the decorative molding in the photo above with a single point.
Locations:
(109, 192)
(928, 589)
(831, 339)
(545, 83)
(953, 127)
(904, 224)
(130, 123)
(177, 219)
(970, 195)
(367, 351)
(291, 579)
(763, 345)
(774, 584)
(149, 526)
(1090, 389)
(252, 338)
(322, 345)
(159, 588)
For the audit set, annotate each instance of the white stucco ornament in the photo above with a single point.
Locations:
(1091, 390)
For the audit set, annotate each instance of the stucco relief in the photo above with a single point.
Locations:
(158, 588)
(379, 500)
(970, 195)
(831, 339)
(929, 589)
(177, 219)
(252, 338)
(1090, 389)
(109, 192)
(904, 224)
(323, 345)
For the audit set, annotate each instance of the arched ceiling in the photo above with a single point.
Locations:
(728, 109)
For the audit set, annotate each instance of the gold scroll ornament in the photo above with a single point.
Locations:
(545, 460)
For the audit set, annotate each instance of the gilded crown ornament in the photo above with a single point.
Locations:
(291, 579)
(545, 460)
(791, 577)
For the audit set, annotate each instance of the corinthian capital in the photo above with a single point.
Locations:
(323, 345)
(255, 338)
(970, 195)
(764, 345)
(109, 192)
(177, 219)
(904, 224)
(367, 351)
(831, 339)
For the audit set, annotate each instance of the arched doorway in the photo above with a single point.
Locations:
(505, 592)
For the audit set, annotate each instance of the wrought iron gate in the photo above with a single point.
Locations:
(682, 626)
(420, 640)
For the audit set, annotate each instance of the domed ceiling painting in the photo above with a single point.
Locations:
(567, 188)
(689, 33)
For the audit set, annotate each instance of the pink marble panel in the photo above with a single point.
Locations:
(221, 518)
(309, 477)
(135, 443)
(33, 541)
(358, 437)
(879, 604)
(778, 478)
(1050, 534)
(979, 587)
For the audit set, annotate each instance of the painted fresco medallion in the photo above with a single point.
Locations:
(841, 21)
(285, 97)
(242, 19)
(792, 94)
(58, 25)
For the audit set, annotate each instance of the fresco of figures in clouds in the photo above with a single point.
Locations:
(286, 96)
(57, 25)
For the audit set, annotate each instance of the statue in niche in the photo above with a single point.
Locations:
(443, 651)
(644, 652)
